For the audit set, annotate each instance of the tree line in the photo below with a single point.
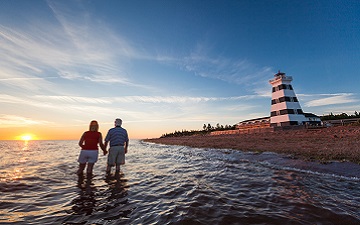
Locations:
(206, 129)
(340, 116)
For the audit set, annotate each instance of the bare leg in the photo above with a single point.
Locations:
(81, 168)
(117, 168)
(90, 167)
(108, 168)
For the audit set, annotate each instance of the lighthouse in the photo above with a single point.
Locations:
(285, 107)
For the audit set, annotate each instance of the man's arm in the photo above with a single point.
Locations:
(126, 146)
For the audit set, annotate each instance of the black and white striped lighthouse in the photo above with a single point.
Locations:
(285, 107)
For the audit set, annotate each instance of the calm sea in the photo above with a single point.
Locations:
(173, 185)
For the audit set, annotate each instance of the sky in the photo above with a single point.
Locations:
(165, 66)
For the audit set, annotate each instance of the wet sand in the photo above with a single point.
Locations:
(340, 143)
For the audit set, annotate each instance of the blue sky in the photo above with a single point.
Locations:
(163, 66)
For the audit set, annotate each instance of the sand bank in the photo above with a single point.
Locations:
(327, 144)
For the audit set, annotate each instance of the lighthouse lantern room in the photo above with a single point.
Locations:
(285, 107)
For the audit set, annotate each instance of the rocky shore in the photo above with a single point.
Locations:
(340, 143)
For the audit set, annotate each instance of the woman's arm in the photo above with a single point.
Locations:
(102, 146)
(81, 141)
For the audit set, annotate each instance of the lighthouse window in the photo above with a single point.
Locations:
(295, 99)
(282, 99)
(273, 89)
(287, 99)
(290, 87)
(273, 113)
(299, 111)
(273, 102)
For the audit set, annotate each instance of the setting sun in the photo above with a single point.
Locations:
(26, 137)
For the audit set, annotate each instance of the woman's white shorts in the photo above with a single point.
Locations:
(88, 156)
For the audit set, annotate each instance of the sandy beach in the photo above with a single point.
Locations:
(340, 143)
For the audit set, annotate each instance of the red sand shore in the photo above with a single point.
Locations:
(327, 144)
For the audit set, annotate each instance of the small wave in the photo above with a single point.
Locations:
(162, 184)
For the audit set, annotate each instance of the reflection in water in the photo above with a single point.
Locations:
(26, 144)
(18, 159)
(117, 197)
(85, 202)
(92, 201)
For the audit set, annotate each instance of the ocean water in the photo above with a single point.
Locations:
(163, 184)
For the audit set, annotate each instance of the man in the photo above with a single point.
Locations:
(119, 142)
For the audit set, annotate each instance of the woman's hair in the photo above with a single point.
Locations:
(94, 126)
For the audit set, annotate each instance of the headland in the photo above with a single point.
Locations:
(340, 143)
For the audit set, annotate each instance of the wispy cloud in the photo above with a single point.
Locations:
(141, 99)
(154, 107)
(239, 71)
(72, 99)
(19, 121)
(168, 99)
(330, 99)
(4, 98)
(74, 48)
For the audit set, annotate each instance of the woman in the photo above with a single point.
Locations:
(89, 148)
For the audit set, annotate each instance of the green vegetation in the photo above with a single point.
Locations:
(340, 116)
(206, 129)
(209, 128)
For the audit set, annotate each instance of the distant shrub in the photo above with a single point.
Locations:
(206, 129)
(340, 116)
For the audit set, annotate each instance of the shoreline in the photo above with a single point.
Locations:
(325, 145)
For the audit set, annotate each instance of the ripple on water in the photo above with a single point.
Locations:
(174, 185)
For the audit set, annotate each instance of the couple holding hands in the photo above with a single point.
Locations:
(117, 138)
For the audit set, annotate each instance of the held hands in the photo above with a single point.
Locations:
(104, 150)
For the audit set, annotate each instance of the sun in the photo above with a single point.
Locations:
(26, 137)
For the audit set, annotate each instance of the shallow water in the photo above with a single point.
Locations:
(173, 185)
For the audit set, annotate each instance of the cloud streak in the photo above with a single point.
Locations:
(141, 99)
(78, 49)
(331, 99)
(19, 121)
(239, 71)
(156, 107)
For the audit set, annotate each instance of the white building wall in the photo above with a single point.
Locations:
(279, 119)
